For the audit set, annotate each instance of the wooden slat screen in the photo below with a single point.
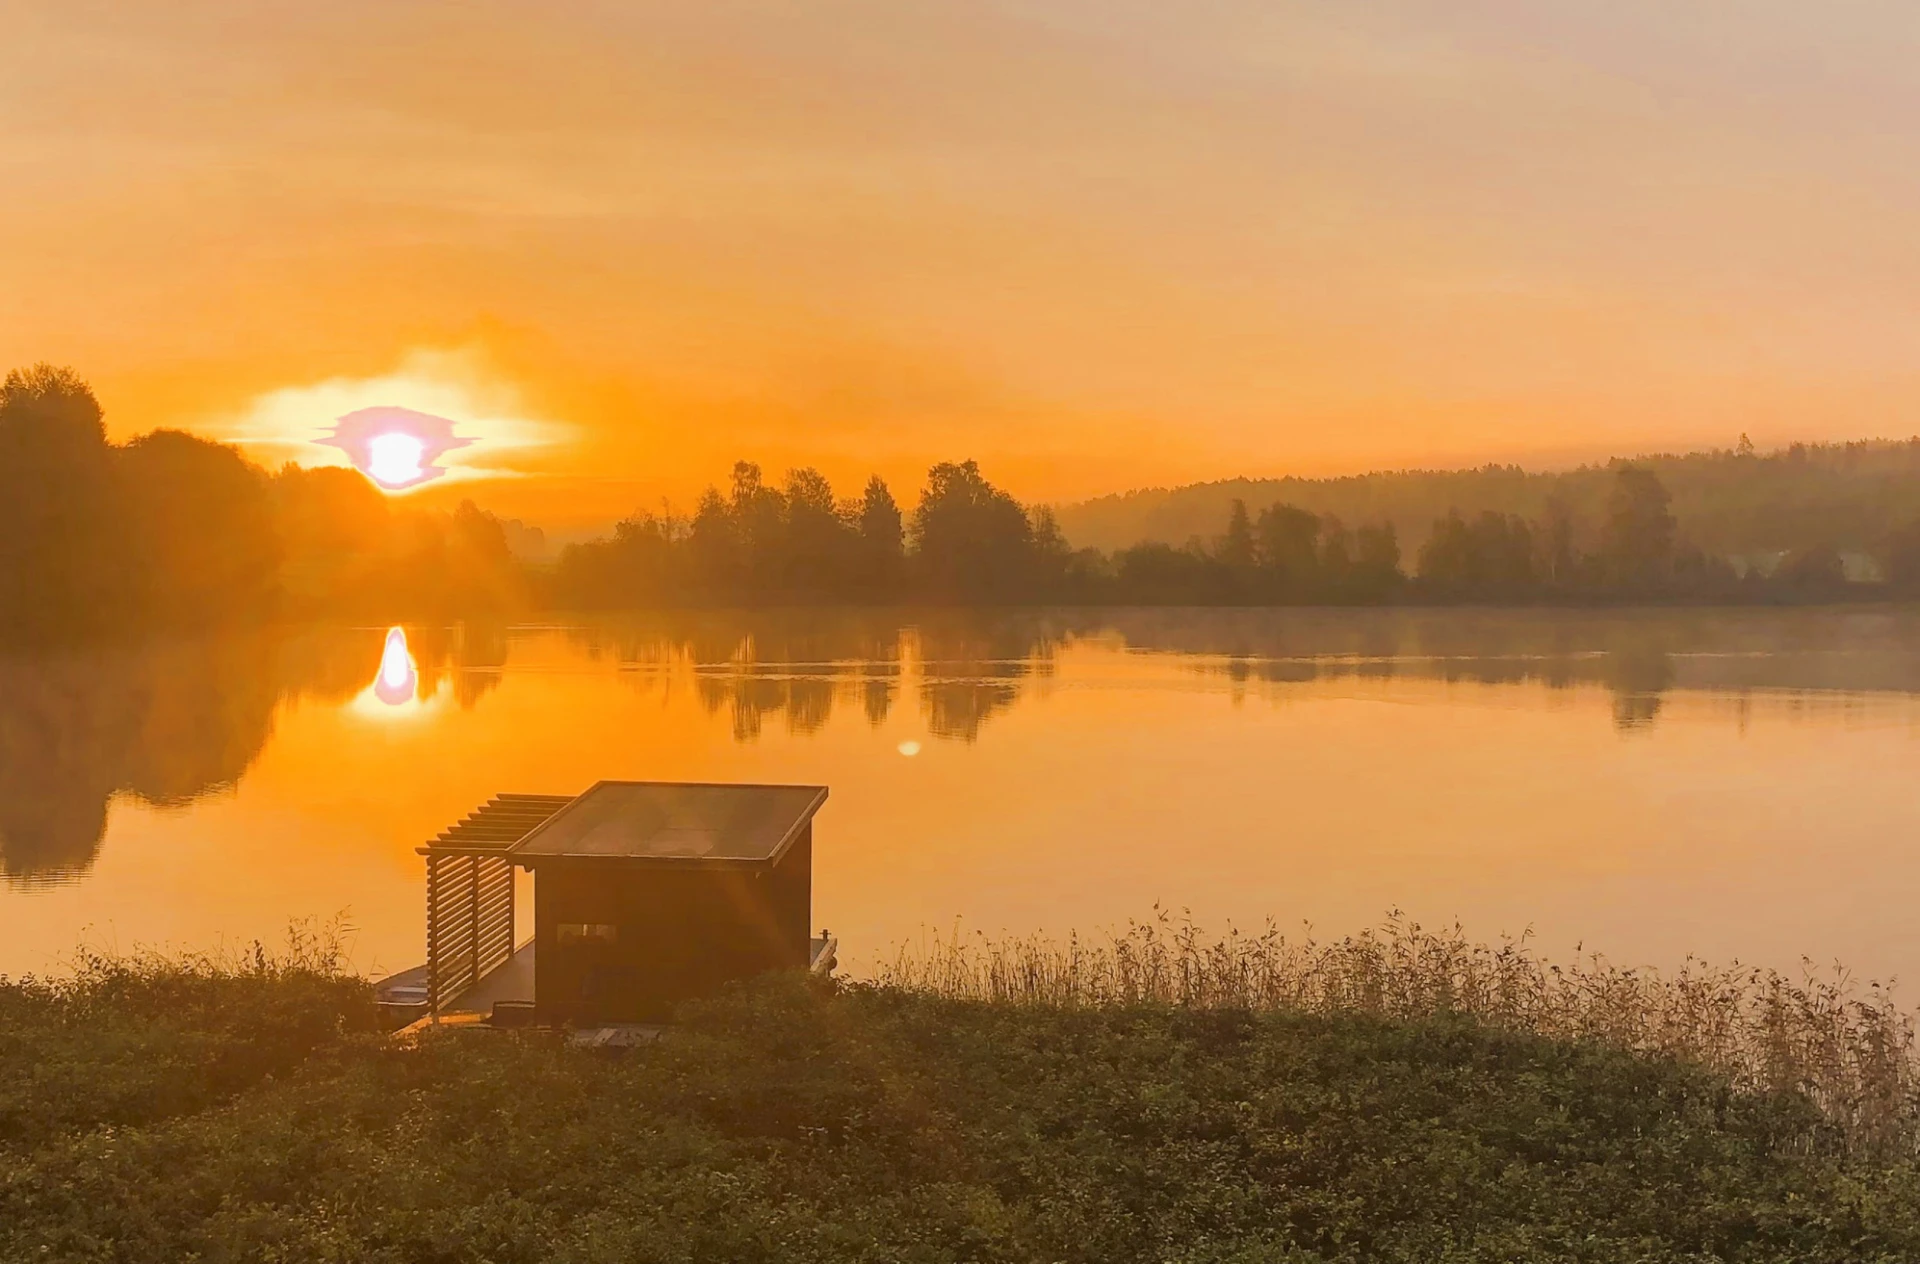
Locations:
(470, 892)
(469, 922)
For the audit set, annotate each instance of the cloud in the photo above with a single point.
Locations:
(298, 423)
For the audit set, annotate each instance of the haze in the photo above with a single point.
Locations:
(1093, 245)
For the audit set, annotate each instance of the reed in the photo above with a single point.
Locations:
(312, 949)
(1846, 1048)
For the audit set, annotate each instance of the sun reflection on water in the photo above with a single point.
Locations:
(395, 690)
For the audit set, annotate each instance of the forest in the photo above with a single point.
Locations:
(1740, 502)
(169, 530)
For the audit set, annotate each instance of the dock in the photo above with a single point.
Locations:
(502, 999)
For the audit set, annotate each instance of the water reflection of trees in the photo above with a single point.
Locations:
(795, 664)
(972, 666)
(171, 722)
(803, 664)
(1638, 656)
(971, 669)
(470, 657)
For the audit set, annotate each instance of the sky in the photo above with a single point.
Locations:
(1095, 244)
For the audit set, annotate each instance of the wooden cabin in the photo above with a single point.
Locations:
(645, 894)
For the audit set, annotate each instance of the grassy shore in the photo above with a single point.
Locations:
(252, 1110)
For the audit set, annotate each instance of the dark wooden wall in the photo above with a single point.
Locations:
(680, 931)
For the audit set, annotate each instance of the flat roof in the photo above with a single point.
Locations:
(675, 821)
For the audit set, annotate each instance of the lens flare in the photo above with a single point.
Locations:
(395, 447)
(399, 676)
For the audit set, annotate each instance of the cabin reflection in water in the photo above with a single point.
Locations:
(646, 894)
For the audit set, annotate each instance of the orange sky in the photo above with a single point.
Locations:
(1094, 243)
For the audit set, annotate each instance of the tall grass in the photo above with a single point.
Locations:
(127, 1038)
(1846, 1048)
(311, 948)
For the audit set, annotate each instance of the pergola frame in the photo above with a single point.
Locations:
(470, 920)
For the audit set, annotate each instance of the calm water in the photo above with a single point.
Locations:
(1727, 784)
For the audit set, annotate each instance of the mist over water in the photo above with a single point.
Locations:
(1733, 784)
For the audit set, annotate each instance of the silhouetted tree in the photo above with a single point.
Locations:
(819, 546)
(1491, 556)
(62, 564)
(1052, 556)
(641, 564)
(478, 574)
(1636, 546)
(1558, 561)
(207, 548)
(345, 548)
(1336, 552)
(1817, 573)
(1154, 573)
(882, 540)
(1376, 562)
(759, 517)
(715, 550)
(1236, 548)
(335, 530)
(1288, 544)
(1899, 558)
(972, 541)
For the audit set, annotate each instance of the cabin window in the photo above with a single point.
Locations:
(586, 933)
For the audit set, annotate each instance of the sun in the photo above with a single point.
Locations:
(398, 448)
(393, 459)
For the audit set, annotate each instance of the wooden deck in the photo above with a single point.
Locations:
(403, 996)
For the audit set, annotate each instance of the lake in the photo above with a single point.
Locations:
(1731, 784)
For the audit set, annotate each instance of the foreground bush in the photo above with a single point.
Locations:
(134, 1040)
(798, 1122)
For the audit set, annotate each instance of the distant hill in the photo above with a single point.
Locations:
(1732, 503)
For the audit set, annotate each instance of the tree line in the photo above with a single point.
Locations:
(796, 543)
(969, 541)
(1639, 551)
(966, 541)
(170, 530)
(1737, 502)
